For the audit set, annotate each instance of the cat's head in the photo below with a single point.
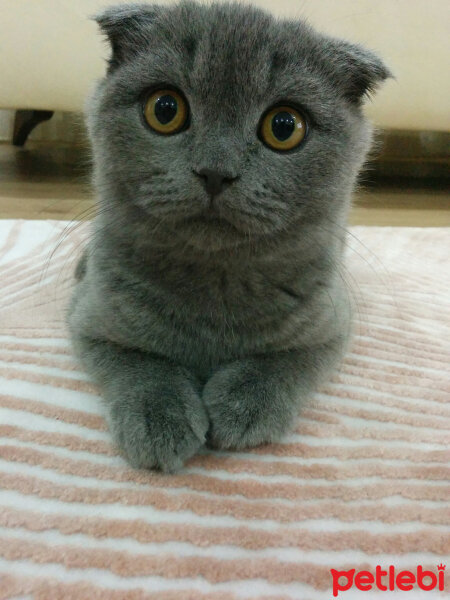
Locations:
(220, 124)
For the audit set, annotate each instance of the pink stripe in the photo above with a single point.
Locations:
(240, 536)
(381, 319)
(415, 408)
(418, 420)
(373, 376)
(378, 451)
(51, 589)
(58, 440)
(168, 566)
(28, 300)
(27, 359)
(14, 281)
(172, 567)
(36, 283)
(409, 315)
(198, 503)
(380, 369)
(36, 349)
(408, 435)
(213, 570)
(366, 344)
(385, 352)
(322, 471)
(83, 468)
(67, 415)
(413, 392)
(405, 342)
(45, 379)
(31, 333)
(401, 299)
(238, 509)
(304, 451)
(316, 415)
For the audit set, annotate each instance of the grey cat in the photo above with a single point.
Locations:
(209, 304)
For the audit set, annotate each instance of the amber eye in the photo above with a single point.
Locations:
(282, 128)
(166, 111)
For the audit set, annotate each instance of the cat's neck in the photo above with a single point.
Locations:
(130, 233)
(280, 257)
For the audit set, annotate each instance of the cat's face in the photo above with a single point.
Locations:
(222, 124)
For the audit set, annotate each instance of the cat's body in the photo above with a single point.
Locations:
(217, 313)
(203, 314)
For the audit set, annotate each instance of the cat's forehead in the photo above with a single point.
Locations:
(227, 54)
(233, 52)
(231, 61)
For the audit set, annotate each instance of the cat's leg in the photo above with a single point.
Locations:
(155, 412)
(256, 399)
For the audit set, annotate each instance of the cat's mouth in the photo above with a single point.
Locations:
(211, 217)
(235, 223)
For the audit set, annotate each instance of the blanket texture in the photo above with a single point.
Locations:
(363, 481)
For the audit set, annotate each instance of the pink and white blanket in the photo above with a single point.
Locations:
(363, 481)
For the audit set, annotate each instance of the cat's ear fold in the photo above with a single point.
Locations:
(126, 28)
(357, 71)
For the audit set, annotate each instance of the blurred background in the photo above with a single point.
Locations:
(51, 53)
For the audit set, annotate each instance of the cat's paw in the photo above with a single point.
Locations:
(242, 409)
(159, 433)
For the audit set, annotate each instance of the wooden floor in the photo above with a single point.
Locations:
(43, 182)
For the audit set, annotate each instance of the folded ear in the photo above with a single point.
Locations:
(126, 28)
(357, 72)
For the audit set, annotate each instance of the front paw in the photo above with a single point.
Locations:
(157, 430)
(244, 409)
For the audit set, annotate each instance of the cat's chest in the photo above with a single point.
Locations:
(223, 299)
(216, 316)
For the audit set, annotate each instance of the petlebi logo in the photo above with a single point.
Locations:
(390, 579)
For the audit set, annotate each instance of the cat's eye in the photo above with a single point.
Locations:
(166, 111)
(282, 128)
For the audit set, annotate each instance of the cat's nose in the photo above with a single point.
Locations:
(215, 181)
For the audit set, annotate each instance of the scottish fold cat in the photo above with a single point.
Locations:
(209, 302)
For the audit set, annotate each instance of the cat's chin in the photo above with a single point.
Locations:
(206, 230)
(211, 219)
(227, 218)
(210, 232)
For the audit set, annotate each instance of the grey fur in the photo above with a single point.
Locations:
(204, 327)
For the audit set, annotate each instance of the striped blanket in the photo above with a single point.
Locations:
(363, 481)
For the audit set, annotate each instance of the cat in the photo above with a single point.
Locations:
(209, 304)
